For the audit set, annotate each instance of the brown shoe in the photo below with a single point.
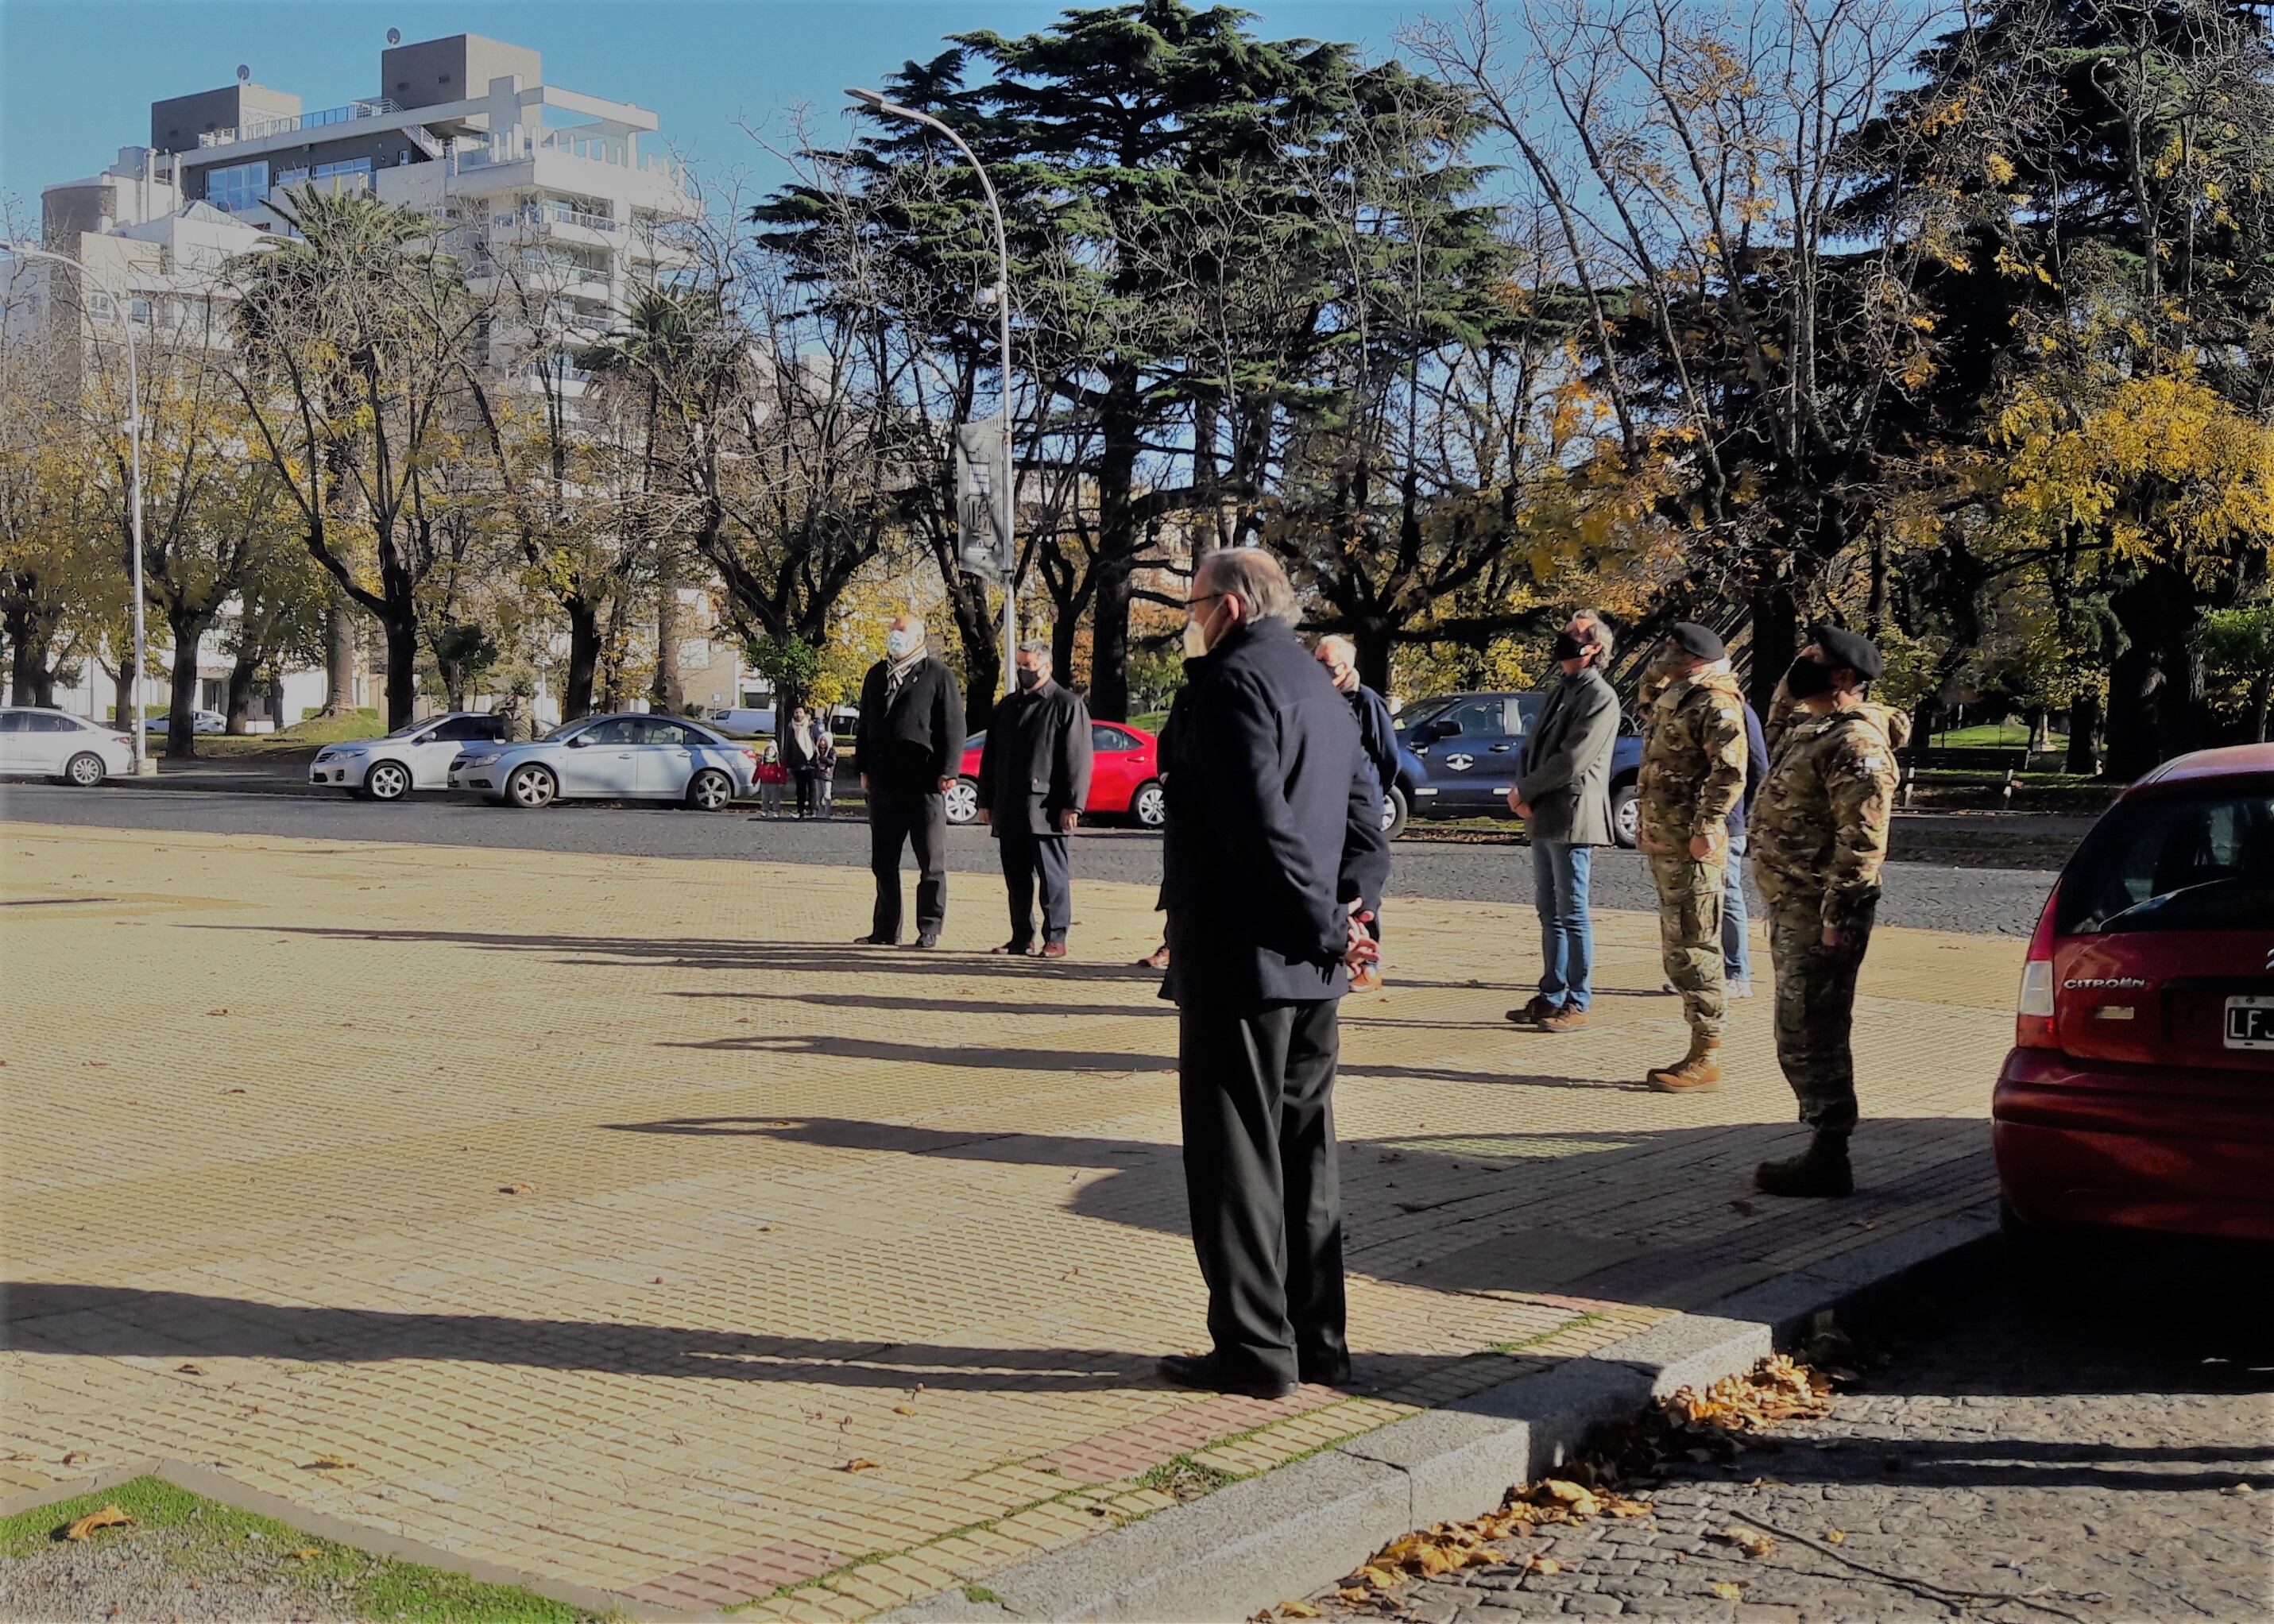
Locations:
(1699, 1072)
(1565, 1019)
(1053, 950)
(1536, 1011)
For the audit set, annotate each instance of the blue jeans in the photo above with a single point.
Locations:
(1737, 952)
(1567, 934)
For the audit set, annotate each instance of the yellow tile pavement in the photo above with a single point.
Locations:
(618, 1223)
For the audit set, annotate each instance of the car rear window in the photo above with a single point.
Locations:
(2202, 861)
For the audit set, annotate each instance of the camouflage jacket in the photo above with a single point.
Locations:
(519, 718)
(1820, 827)
(1693, 761)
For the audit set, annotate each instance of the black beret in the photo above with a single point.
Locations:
(1845, 648)
(1698, 642)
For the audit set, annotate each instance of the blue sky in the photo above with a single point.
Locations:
(77, 77)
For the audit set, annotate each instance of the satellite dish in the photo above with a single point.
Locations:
(243, 73)
(394, 36)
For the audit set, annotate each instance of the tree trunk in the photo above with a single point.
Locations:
(121, 704)
(668, 691)
(339, 655)
(2156, 701)
(402, 629)
(583, 658)
(1118, 544)
(1108, 642)
(1776, 639)
(182, 693)
(2083, 723)
(240, 694)
(1374, 648)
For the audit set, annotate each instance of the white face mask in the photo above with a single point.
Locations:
(1196, 640)
(899, 643)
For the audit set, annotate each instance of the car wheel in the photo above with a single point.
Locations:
(1394, 813)
(531, 786)
(1150, 804)
(388, 781)
(84, 769)
(963, 801)
(711, 791)
(1626, 816)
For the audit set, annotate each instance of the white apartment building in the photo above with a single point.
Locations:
(568, 197)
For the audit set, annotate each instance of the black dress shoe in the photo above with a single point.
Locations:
(1203, 1371)
(874, 941)
(1325, 1372)
(928, 938)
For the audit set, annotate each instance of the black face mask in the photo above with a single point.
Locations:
(1028, 680)
(1568, 647)
(1806, 679)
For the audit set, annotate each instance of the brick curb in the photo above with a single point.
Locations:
(1286, 1532)
(214, 1486)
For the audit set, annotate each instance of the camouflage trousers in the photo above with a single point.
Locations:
(1816, 1010)
(1689, 933)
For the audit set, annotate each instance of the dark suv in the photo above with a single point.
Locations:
(1459, 751)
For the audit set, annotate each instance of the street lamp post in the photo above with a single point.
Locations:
(143, 765)
(876, 102)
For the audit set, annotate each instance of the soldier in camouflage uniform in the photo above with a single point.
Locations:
(517, 713)
(1819, 835)
(1693, 772)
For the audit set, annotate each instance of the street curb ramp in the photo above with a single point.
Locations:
(1287, 1532)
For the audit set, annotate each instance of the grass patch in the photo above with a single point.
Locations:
(315, 732)
(217, 1544)
(1185, 1478)
(981, 1594)
(1579, 1324)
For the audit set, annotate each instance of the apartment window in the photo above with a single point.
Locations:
(352, 174)
(286, 179)
(140, 309)
(237, 187)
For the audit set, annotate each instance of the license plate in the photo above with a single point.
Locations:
(2250, 1023)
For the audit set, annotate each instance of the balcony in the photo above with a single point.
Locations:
(257, 129)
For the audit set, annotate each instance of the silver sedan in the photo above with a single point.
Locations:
(627, 757)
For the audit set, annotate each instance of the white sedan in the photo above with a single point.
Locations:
(628, 757)
(201, 722)
(417, 756)
(36, 739)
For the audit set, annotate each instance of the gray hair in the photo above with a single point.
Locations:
(1593, 632)
(1036, 646)
(1252, 576)
(1340, 646)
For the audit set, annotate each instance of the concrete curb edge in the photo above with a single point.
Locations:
(1286, 1532)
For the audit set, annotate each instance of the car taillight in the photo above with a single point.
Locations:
(750, 753)
(2033, 1011)
(123, 739)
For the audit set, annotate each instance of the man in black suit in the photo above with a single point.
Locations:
(1033, 782)
(1273, 857)
(908, 747)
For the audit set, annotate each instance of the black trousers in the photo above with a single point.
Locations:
(916, 817)
(1257, 1089)
(807, 780)
(1028, 857)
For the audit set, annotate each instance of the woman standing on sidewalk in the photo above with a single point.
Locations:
(811, 755)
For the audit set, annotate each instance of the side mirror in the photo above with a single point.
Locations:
(578, 742)
(1444, 728)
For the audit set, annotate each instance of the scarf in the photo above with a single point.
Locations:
(897, 674)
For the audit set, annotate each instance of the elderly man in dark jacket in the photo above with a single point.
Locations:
(1563, 794)
(1033, 781)
(1273, 853)
(909, 748)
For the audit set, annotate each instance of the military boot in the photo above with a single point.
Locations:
(1821, 1170)
(1699, 1072)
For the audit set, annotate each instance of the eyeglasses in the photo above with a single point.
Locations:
(1205, 597)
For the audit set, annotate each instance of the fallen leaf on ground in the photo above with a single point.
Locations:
(1835, 1536)
(1776, 1389)
(223, 1011)
(329, 1463)
(904, 1409)
(1352, 1592)
(1544, 1565)
(188, 1370)
(1728, 1592)
(2238, 1488)
(74, 1456)
(110, 1517)
(515, 1189)
(859, 1463)
(1745, 1539)
(305, 1553)
(1298, 1610)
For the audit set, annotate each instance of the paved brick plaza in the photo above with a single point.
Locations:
(603, 1211)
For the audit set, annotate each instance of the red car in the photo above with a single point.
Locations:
(1125, 782)
(2140, 1091)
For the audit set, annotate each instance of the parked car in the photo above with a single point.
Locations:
(201, 722)
(1124, 781)
(1459, 753)
(38, 741)
(752, 719)
(635, 756)
(2139, 1095)
(417, 757)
